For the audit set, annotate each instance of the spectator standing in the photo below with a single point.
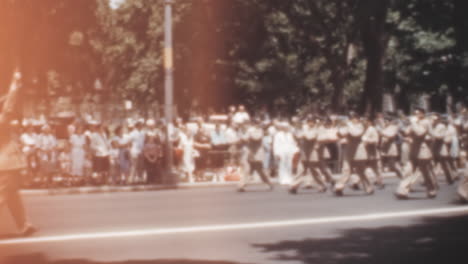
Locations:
(220, 146)
(29, 142)
(78, 154)
(202, 145)
(186, 143)
(241, 116)
(137, 141)
(153, 153)
(64, 163)
(47, 154)
(121, 141)
(101, 150)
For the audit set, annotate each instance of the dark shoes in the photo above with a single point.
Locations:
(338, 192)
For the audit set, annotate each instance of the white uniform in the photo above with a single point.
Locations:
(284, 148)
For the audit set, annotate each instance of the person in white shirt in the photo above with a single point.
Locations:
(100, 147)
(47, 145)
(267, 143)
(120, 145)
(241, 116)
(29, 142)
(136, 139)
(78, 153)
(284, 148)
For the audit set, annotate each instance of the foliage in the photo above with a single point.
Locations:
(284, 54)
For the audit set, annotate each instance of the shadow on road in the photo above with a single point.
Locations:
(42, 259)
(435, 240)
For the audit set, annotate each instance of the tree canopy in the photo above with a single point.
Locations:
(288, 55)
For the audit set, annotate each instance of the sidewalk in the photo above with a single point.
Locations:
(138, 188)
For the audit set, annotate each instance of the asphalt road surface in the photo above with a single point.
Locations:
(219, 225)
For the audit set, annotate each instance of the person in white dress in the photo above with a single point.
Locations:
(284, 148)
(186, 143)
(78, 153)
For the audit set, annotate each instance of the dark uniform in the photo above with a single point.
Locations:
(420, 160)
(310, 156)
(255, 155)
(356, 156)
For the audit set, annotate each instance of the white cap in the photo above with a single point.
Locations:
(150, 122)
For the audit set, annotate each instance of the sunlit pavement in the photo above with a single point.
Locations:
(219, 225)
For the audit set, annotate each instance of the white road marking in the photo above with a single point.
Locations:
(230, 227)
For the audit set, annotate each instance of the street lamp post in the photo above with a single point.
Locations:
(168, 89)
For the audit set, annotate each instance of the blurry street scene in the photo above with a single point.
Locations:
(232, 131)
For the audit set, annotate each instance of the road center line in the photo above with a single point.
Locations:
(243, 226)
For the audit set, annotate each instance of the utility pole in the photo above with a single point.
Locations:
(168, 90)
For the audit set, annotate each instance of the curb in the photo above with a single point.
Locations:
(116, 189)
(138, 188)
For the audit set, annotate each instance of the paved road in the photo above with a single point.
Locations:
(218, 225)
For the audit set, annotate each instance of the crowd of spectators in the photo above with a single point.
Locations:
(204, 149)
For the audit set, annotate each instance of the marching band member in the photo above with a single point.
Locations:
(370, 138)
(255, 157)
(357, 156)
(420, 157)
(327, 134)
(388, 146)
(441, 147)
(310, 157)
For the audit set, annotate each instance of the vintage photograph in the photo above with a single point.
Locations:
(233, 131)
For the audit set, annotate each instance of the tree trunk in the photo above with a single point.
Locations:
(338, 94)
(372, 25)
(460, 24)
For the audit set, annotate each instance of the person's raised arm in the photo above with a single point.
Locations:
(10, 100)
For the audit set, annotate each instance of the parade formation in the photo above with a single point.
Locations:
(330, 152)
